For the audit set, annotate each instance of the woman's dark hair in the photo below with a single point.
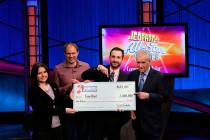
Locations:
(34, 72)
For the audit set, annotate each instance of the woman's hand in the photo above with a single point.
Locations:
(70, 111)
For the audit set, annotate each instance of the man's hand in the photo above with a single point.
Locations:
(120, 110)
(88, 81)
(142, 95)
(75, 81)
(103, 69)
(71, 95)
(133, 115)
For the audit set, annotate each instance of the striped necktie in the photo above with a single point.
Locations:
(111, 76)
(141, 81)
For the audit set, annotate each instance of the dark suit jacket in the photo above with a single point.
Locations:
(44, 107)
(148, 112)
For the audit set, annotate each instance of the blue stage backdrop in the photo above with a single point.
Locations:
(12, 96)
(71, 20)
(196, 14)
(11, 30)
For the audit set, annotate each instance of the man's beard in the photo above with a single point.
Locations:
(71, 61)
(115, 65)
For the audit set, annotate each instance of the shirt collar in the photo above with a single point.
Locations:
(115, 71)
(147, 71)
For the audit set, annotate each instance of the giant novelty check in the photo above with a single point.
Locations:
(104, 96)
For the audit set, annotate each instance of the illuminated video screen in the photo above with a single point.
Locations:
(167, 45)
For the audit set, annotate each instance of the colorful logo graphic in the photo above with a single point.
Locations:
(166, 45)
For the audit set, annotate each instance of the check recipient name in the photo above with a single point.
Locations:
(104, 96)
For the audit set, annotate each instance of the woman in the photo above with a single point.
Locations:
(47, 105)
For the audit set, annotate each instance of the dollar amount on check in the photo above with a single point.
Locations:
(104, 96)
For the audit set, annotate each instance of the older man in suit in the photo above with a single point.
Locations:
(150, 94)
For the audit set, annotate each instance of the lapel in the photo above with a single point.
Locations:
(149, 79)
(136, 77)
(121, 76)
(44, 94)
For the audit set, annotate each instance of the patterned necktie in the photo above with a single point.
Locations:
(111, 76)
(141, 81)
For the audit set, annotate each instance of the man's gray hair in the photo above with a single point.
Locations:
(143, 53)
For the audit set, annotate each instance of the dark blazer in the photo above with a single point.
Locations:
(44, 107)
(148, 112)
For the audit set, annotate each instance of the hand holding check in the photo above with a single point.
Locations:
(70, 111)
(142, 95)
